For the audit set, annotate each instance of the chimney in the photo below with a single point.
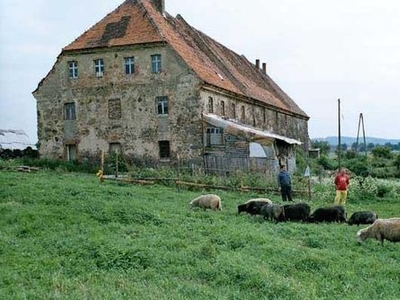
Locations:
(160, 5)
(257, 64)
(264, 68)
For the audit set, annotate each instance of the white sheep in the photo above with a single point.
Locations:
(207, 201)
(381, 229)
(264, 200)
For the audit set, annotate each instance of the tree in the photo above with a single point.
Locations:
(382, 152)
(323, 146)
(397, 161)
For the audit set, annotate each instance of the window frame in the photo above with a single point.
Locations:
(98, 67)
(129, 65)
(164, 148)
(73, 69)
(69, 111)
(162, 105)
(156, 63)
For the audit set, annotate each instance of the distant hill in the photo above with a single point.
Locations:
(333, 140)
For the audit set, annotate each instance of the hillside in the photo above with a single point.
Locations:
(333, 140)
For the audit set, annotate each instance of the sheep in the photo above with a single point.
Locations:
(328, 214)
(253, 206)
(273, 212)
(296, 212)
(381, 229)
(362, 217)
(207, 201)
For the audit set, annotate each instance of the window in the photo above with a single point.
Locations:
(243, 117)
(99, 67)
(114, 109)
(129, 65)
(210, 105)
(156, 63)
(69, 111)
(73, 69)
(115, 148)
(162, 105)
(214, 136)
(222, 108)
(233, 111)
(70, 152)
(164, 149)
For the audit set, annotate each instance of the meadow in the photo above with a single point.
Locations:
(68, 236)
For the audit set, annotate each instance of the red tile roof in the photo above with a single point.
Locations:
(139, 22)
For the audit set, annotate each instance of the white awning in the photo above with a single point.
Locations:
(249, 133)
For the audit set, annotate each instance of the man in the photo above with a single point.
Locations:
(285, 184)
(342, 182)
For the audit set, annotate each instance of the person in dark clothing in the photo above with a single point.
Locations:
(285, 184)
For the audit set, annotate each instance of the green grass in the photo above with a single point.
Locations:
(68, 236)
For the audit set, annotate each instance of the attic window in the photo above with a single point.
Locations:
(73, 69)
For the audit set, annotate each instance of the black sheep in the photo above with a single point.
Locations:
(328, 214)
(296, 212)
(362, 217)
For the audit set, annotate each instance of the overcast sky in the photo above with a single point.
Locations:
(317, 51)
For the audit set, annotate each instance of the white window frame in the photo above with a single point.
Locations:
(99, 67)
(73, 69)
(162, 105)
(156, 63)
(129, 63)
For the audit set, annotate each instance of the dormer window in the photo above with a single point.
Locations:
(99, 67)
(73, 69)
(156, 63)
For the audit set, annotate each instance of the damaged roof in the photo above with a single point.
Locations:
(247, 132)
(140, 22)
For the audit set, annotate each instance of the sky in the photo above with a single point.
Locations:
(317, 51)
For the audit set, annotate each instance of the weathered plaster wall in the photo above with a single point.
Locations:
(138, 128)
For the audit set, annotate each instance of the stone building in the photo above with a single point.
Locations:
(156, 89)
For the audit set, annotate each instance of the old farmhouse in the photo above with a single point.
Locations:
(154, 88)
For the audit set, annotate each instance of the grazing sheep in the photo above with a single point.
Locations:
(362, 217)
(253, 206)
(273, 212)
(207, 201)
(381, 229)
(296, 212)
(328, 214)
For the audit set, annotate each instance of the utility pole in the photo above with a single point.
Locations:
(361, 122)
(339, 138)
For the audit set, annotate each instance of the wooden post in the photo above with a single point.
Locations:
(179, 171)
(116, 163)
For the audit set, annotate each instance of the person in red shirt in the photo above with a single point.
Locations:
(342, 182)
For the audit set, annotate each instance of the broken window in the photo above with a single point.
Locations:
(71, 153)
(162, 105)
(129, 65)
(164, 149)
(214, 136)
(210, 105)
(156, 63)
(115, 148)
(114, 109)
(73, 69)
(99, 67)
(69, 111)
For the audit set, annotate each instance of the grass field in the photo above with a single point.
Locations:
(68, 236)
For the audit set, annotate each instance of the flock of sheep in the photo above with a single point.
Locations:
(380, 229)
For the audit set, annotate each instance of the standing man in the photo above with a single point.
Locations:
(342, 182)
(285, 184)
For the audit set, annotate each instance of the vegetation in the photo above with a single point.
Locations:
(68, 236)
